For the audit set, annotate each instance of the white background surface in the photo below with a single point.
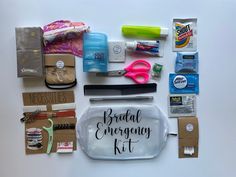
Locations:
(216, 102)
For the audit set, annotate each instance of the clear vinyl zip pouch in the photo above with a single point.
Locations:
(122, 132)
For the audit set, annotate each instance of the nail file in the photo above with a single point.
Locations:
(33, 108)
(56, 107)
(31, 116)
(119, 89)
(135, 98)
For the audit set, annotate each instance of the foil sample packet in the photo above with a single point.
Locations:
(181, 105)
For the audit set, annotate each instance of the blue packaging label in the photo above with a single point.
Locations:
(95, 52)
(186, 62)
(184, 83)
(95, 61)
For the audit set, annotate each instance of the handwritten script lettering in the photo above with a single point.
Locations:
(44, 98)
(124, 127)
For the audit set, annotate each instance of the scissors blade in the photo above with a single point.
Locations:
(114, 73)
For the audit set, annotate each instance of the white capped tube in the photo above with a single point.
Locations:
(153, 48)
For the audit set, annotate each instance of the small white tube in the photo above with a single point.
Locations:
(153, 48)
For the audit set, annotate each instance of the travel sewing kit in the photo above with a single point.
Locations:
(121, 123)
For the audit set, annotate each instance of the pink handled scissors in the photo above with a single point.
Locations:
(138, 71)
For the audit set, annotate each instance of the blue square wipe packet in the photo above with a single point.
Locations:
(186, 62)
(184, 83)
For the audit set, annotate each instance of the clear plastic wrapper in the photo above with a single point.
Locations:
(181, 105)
(64, 37)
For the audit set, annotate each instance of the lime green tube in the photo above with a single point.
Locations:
(149, 32)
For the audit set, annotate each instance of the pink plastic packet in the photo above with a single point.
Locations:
(64, 36)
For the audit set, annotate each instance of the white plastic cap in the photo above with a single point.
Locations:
(131, 45)
(164, 32)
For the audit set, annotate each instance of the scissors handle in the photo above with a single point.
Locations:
(138, 77)
(139, 66)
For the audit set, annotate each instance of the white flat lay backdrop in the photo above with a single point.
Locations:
(215, 103)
